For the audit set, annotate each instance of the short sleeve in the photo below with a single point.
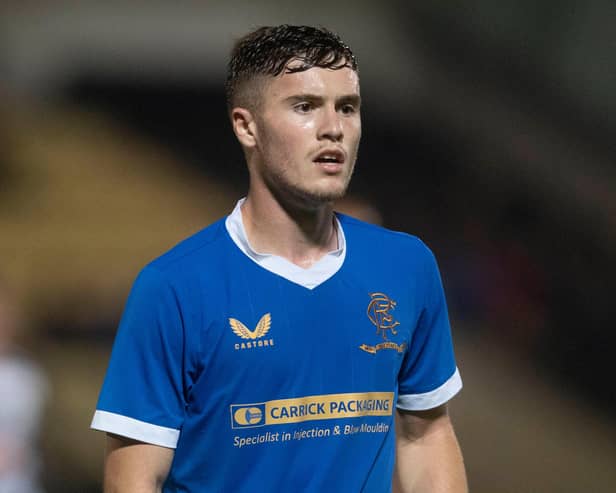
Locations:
(429, 376)
(142, 395)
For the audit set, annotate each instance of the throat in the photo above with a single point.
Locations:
(307, 257)
(302, 239)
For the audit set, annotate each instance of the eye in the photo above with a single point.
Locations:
(348, 109)
(303, 107)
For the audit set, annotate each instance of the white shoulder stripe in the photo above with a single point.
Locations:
(135, 429)
(432, 399)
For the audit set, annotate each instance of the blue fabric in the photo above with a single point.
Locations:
(295, 393)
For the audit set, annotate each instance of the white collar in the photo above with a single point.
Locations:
(310, 278)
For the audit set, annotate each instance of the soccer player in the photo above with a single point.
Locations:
(286, 347)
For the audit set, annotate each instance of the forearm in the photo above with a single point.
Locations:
(430, 462)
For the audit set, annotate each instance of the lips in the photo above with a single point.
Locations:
(330, 156)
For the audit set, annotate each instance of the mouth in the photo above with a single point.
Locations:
(330, 158)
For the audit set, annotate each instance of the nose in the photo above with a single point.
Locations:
(331, 127)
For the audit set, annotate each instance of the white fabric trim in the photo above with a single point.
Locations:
(135, 429)
(309, 278)
(432, 399)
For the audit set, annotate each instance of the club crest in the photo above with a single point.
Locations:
(380, 314)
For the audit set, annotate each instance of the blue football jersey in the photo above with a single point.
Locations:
(264, 376)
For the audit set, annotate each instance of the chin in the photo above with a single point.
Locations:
(313, 196)
(319, 197)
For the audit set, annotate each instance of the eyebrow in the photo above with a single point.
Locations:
(353, 99)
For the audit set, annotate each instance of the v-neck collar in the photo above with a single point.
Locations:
(310, 278)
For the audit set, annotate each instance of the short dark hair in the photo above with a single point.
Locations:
(267, 51)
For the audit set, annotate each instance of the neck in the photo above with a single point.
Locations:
(301, 235)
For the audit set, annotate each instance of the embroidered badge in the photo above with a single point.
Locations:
(379, 313)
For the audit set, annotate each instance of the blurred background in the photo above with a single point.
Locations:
(488, 132)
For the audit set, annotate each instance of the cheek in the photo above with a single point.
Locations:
(279, 150)
(355, 128)
(291, 139)
(353, 134)
(281, 144)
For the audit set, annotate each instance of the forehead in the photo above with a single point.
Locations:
(314, 81)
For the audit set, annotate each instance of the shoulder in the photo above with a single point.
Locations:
(201, 246)
(202, 250)
(377, 239)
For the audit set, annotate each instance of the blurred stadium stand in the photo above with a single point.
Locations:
(488, 132)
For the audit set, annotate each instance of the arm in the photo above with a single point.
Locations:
(135, 467)
(428, 457)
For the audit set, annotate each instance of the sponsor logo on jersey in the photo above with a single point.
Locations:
(379, 313)
(247, 416)
(311, 408)
(253, 338)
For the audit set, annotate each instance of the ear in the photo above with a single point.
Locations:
(244, 126)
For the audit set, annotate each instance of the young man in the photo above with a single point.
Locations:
(269, 352)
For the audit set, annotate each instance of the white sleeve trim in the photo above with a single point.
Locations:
(135, 429)
(432, 399)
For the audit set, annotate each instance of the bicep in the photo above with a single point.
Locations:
(412, 426)
(428, 457)
(135, 467)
